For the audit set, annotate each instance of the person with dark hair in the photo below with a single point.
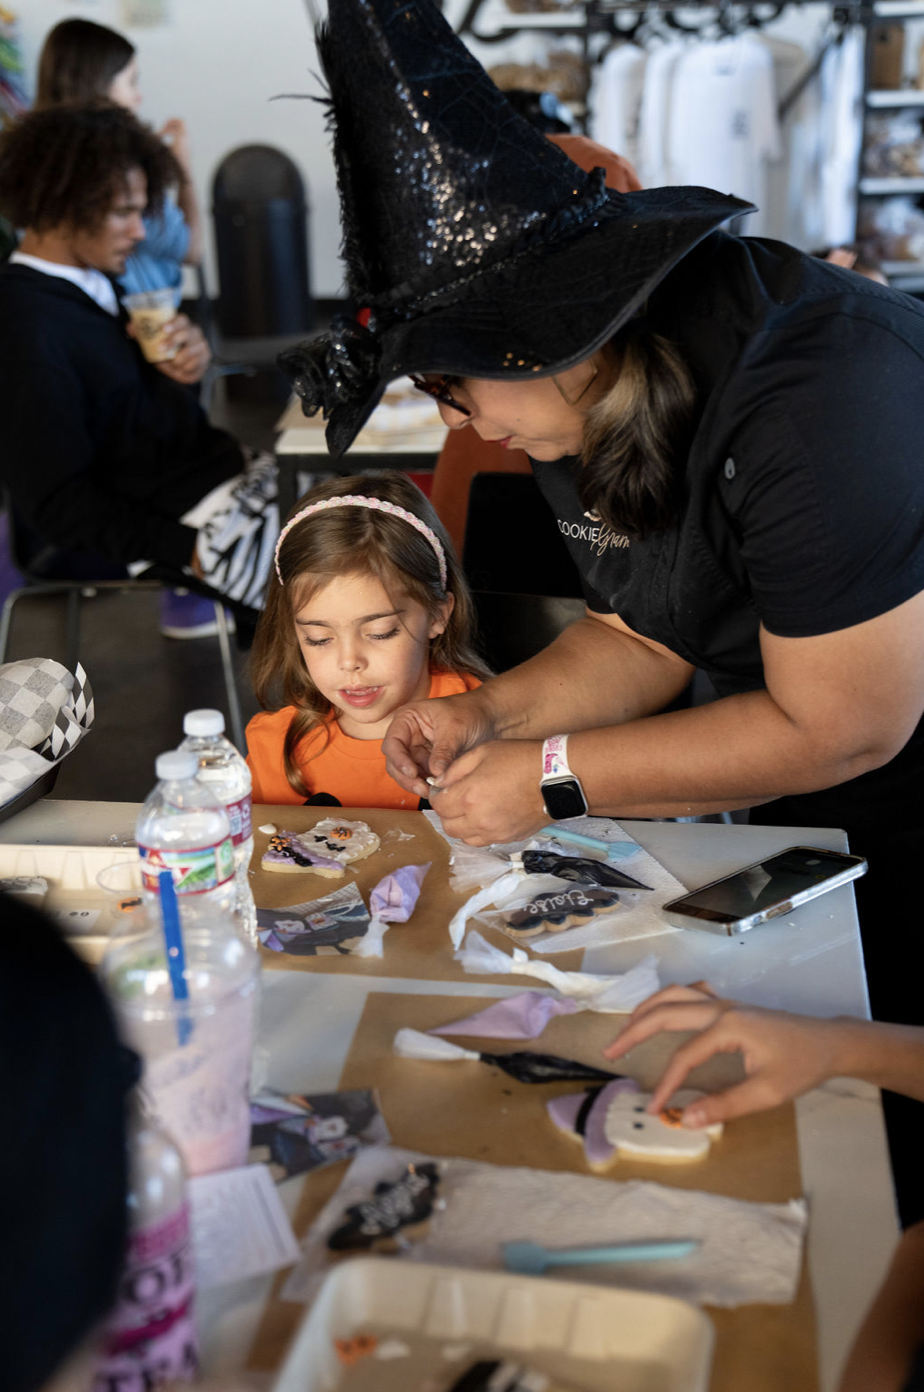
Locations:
(108, 460)
(63, 1167)
(82, 62)
(729, 434)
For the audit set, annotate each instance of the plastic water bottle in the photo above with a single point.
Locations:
(184, 829)
(149, 1337)
(225, 773)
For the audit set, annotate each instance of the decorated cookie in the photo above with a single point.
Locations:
(634, 1132)
(401, 1207)
(612, 1121)
(287, 850)
(583, 1116)
(325, 849)
(556, 911)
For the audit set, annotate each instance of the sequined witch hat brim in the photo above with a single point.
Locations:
(475, 245)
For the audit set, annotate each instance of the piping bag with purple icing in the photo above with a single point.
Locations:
(393, 900)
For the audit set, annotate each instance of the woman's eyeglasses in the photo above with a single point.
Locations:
(438, 388)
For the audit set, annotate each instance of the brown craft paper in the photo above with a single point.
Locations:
(418, 949)
(471, 1110)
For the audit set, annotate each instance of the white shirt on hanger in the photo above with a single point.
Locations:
(615, 97)
(723, 125)
(654, 115)
(842, 110)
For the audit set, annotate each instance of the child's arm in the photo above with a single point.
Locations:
(784, 1055)
(893, 1329)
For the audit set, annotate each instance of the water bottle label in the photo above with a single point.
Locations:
(240, 818)
(194, 872)
(150, 1337)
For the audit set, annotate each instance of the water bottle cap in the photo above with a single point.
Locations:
(176, 763)
(203, 722)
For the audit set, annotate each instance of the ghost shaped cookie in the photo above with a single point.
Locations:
(612, 1121)
(638, 1135)
(325, 849)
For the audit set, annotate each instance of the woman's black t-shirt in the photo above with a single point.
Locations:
(804, 483)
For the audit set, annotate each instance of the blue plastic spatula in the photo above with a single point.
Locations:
(529, 1259)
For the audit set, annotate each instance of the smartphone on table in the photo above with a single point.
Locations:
(764, 890)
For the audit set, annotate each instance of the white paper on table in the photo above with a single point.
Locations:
(749, 1253)
(239, 1226)
(620, 993)
(640, 915)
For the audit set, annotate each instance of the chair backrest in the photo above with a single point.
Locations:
(512, 544)
(515, 627)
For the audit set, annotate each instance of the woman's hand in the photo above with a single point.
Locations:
(175, 134)
(784, 1055)
(425, 737)
(492, 793)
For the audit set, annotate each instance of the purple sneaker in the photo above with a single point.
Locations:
(185, 615)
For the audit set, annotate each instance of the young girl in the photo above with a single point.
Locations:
(367, 609)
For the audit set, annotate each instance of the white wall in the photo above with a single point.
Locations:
(217, 63)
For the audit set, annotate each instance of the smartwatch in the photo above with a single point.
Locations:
(561, 791)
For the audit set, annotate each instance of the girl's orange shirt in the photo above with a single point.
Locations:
(351, 770)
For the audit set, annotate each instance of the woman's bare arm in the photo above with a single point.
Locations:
(834, 707)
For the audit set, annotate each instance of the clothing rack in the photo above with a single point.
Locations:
(594, 17)
(606, 16)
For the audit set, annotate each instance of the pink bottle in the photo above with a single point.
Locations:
(150, 1338)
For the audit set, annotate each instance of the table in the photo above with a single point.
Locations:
(300, 444)
(309, 1018)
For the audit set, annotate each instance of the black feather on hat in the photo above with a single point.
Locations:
(475, 245)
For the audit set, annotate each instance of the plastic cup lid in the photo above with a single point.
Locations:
(176, 763)
(203, 722)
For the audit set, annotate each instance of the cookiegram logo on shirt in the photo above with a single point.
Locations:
(598, 536)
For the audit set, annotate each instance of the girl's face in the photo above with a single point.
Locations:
(124, 89)
(367, 652)
(533, 415)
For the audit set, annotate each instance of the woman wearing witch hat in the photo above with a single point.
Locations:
(730, 436)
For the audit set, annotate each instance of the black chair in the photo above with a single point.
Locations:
(39, 584)
(512, 544)
(525, 584)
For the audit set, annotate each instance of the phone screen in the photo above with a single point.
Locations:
(772, 881)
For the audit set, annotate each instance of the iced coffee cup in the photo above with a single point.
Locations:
(196, 1049)
(150, 311)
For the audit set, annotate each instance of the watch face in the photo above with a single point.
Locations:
(564, 798)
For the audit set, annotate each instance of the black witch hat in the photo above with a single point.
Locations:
(474, 246)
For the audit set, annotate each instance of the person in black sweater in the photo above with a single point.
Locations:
(108, 461)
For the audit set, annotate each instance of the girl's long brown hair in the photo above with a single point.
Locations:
(350, 541)
(78, 62)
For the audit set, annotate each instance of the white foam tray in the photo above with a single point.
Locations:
(83, 911)
(601, 1337)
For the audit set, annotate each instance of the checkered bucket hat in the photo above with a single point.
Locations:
(45, 711)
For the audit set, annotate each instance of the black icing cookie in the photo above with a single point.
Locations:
(553, 912)
(578, 869)
(403, 1203)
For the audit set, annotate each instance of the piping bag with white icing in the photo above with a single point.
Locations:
(619, 994)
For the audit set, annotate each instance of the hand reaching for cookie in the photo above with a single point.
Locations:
(784, 1055)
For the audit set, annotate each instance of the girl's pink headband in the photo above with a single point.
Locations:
(376, 505)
